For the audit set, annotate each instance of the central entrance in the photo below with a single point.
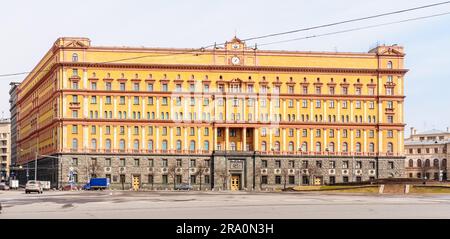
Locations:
(136, 182)
(235, 182)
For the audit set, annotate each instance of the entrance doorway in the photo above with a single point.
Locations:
(318, 181)
(235, 182)
(136, 182)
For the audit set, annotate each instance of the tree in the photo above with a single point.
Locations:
(424, 169)
(93, 168)
(313, 171)
(285, 174)
(223, 175)
(172, 172)
(201, 170)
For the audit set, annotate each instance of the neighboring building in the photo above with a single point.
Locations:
(427, 154)
(13, 113)
(146, 117)
(5, 148)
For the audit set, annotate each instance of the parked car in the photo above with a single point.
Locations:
(33, 186)
(4, 186)
(183, 186)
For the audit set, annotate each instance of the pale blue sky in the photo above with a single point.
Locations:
(29, 28)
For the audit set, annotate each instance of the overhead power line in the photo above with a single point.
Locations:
(355, 29)
(347, 21)
(266, 36)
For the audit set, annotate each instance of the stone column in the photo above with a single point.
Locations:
(227, 134)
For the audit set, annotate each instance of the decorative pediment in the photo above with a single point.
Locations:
(75, 44)
(391, 51)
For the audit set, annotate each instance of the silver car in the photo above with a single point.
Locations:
(33, 186)
(4, 186)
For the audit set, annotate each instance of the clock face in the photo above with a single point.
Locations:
(235, 60)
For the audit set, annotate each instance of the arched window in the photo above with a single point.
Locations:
(436, 163)
(74, 57)
(150, 145)
(122, 144)
(206, 145)
(419, 163)
(331, 147)
(164, 145)
(108, 144)
(233, 146)
(192, 145)
(74, 144)
(390, 147)
(93, 144)
(263, 146)
(318, 147)
(291, 146)
(276, 146)
(304, 147)
(345, 147)
(136, 144)
(358, 147)
(389, 65)
(178, 144)
(411, 163)
(371, 147)
(444, 164)
(427, 163)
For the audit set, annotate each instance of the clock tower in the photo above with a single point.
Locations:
(235, 51)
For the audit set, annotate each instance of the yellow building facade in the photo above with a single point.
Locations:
(253, 118)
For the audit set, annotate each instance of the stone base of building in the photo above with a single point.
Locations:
(224, 170)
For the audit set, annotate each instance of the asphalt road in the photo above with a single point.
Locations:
(191, 205)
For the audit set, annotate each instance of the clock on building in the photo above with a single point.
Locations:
(235, 60)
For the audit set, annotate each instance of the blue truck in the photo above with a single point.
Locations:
(97, 183)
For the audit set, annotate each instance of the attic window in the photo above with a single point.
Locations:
(389, 65)
(74, 57)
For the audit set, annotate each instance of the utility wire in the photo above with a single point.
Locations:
(346, 21)
(254, 38)
(355, 29)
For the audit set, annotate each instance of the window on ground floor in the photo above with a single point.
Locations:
(291, 179)
(263, 179)
(164, 179)
(305, 180)
(277, 179)
(332, 179)
(345, 179)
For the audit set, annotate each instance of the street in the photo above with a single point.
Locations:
(191, 205)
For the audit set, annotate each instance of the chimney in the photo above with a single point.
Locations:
(448, 130)
(415, 131)
(412, 131)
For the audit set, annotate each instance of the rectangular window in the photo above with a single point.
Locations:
(344, 164)
(277, 179)
(278, 163)
(165, 163)
(264, 163)
(108, 162)
(136, 162)
(332, 164)
(108, 86)
(122, 86)
(264, 179)
(291, 179)
(93, 85)
(74, 161)
(150, 162)
(136, 86)
(304, 103)
(165, 179)
(165, 88)
(149, 87)
(108, 100)
(358, 164)
(122, 162)
(74, 129)
(122, 100)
